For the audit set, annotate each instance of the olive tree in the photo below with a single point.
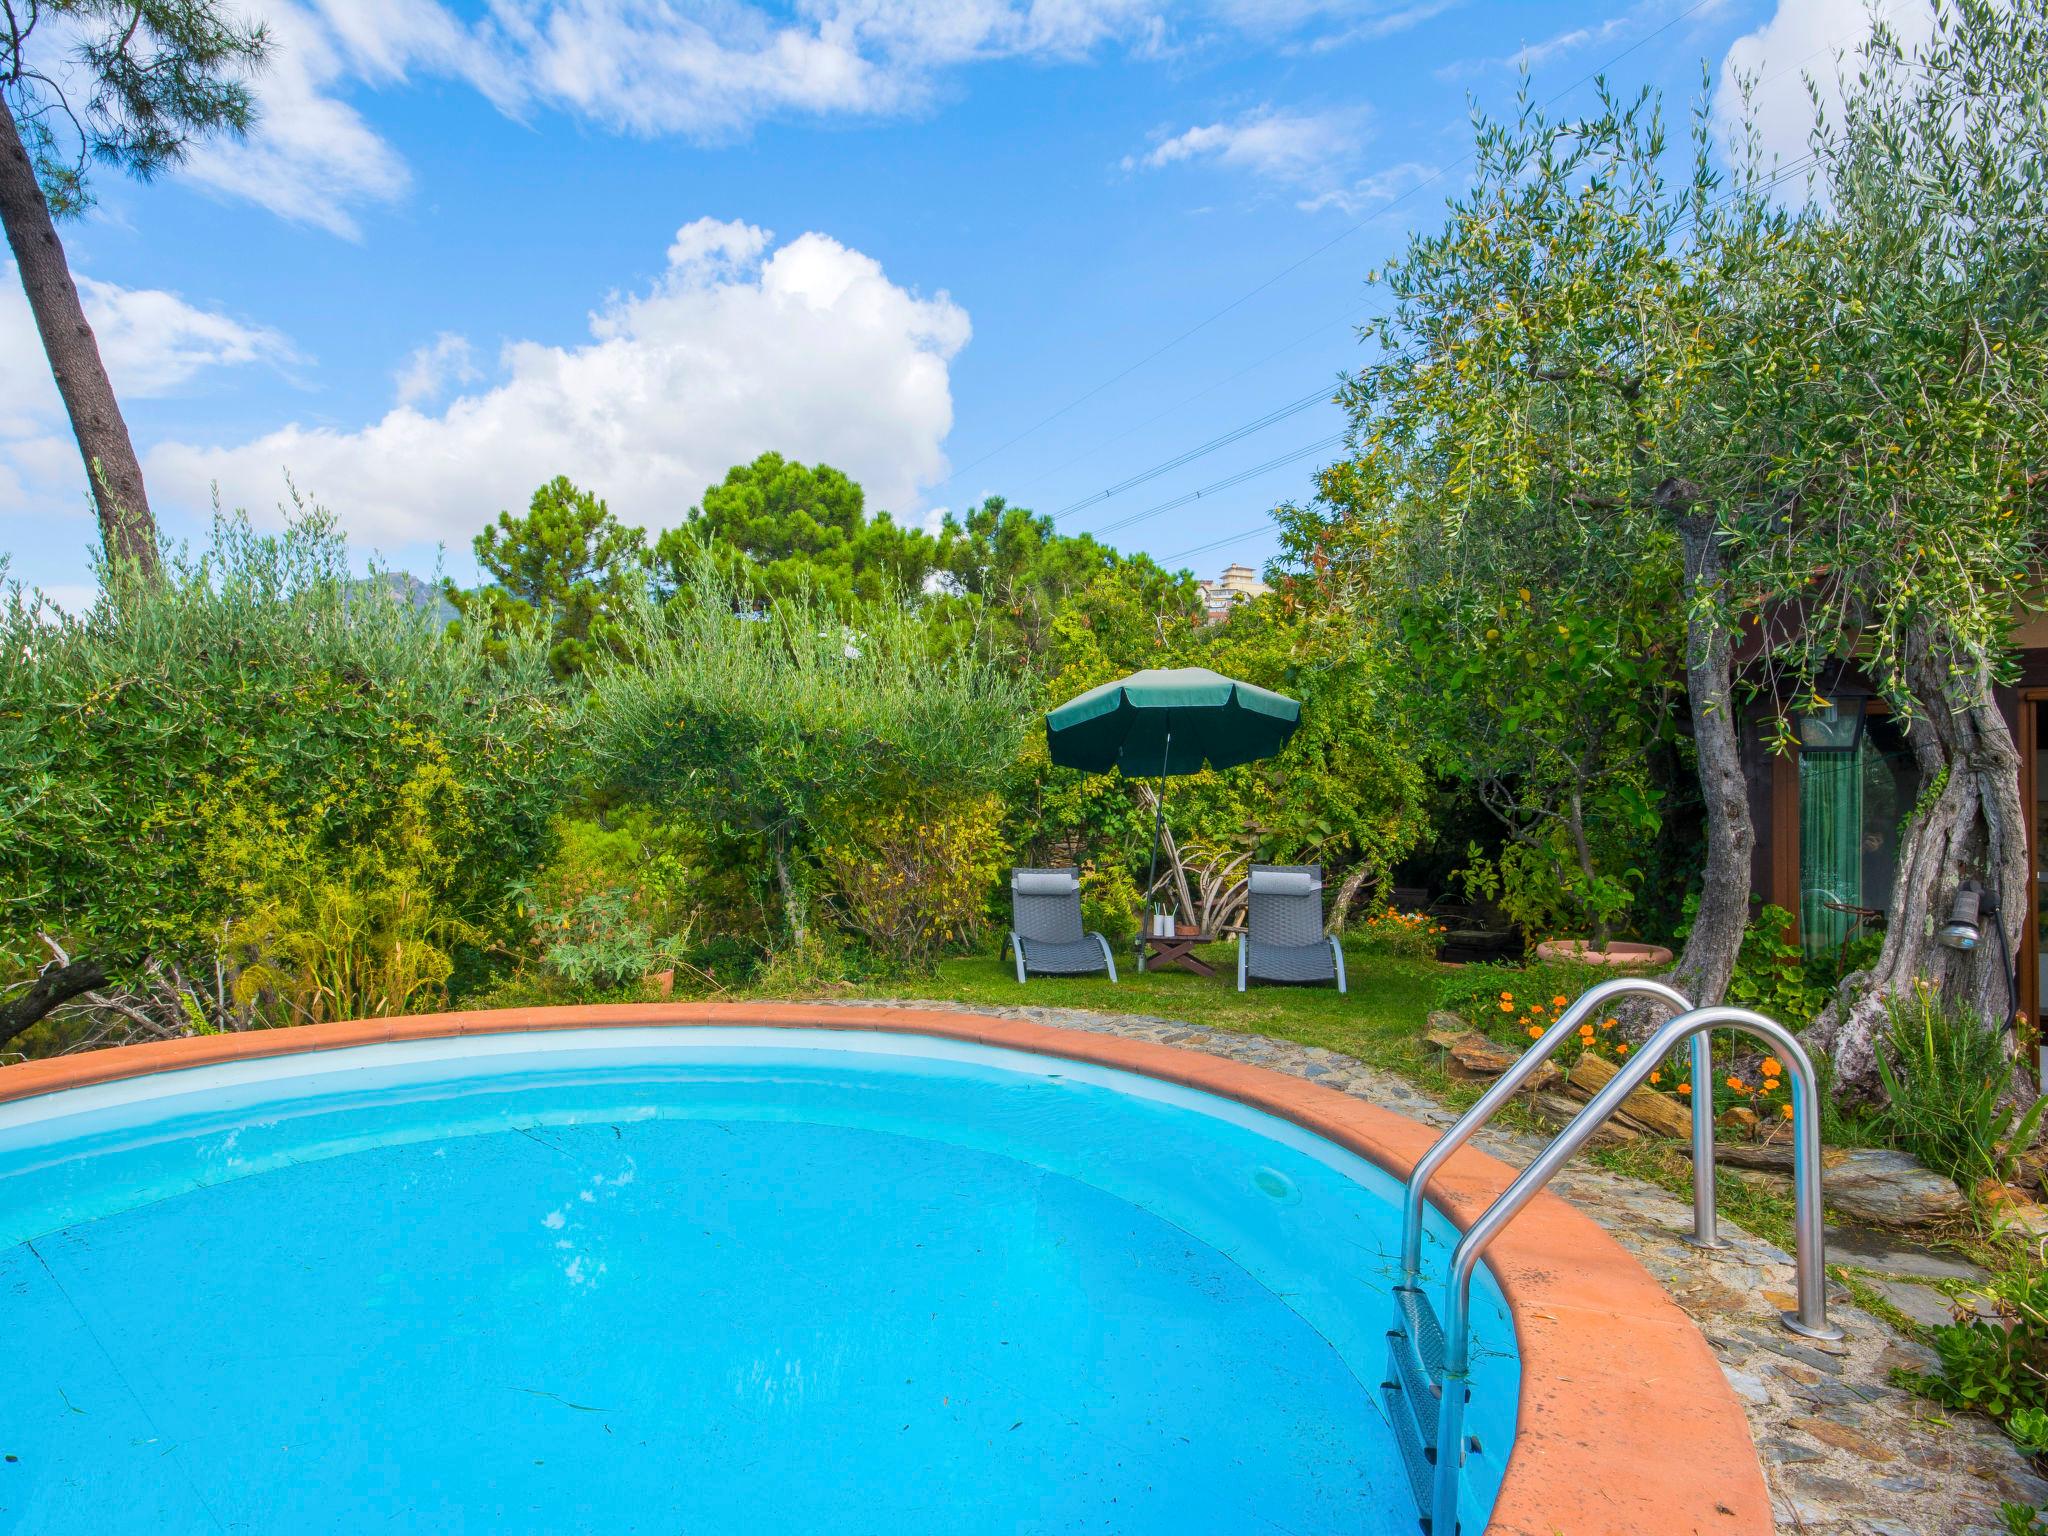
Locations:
(1910, 402)
(757, 721)
(1545, 414)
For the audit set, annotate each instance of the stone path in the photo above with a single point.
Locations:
(1844, 1451)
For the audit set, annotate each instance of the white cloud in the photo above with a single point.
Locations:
(153, 343)
(1382, 25)
(310, 157)
(1645, 19)
(707, 71)
(431, 369)
(1804, 38)
(809, 349)
(1298, 148)
(1377, 190)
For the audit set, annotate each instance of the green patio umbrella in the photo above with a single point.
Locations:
(1168, 722)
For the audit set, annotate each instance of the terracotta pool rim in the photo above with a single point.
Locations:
(1625, 1425)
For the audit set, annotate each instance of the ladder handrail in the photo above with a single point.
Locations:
(1811, 1318)
(1506, 1086)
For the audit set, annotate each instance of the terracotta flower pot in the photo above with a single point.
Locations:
(1618, 955)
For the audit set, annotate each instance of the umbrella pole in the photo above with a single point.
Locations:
(1158, 835)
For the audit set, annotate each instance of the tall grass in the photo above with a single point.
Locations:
(1949, 1079)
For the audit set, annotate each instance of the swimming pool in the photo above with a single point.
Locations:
(717, 1279)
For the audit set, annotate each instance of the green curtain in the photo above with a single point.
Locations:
(1830, 845)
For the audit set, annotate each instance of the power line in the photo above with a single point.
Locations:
(1296, 265)
(1779, 175)
(1236, 434)
(1221, 485)
(1185, 401)
(1203, 549)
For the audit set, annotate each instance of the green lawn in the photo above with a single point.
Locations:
(1378, 1021)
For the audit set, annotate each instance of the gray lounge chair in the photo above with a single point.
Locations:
(1283, 928)
(1046, 933)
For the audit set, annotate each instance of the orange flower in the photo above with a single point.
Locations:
(1507, 997)
(1622, 1048)
(1786, 1110)
(1535, 1031)
(1506, 1006)
(1657, 1077)
(1738, 1085)
(1607, 1023)
(1557, 1002)
(1685, 1088)
(1771, 1067)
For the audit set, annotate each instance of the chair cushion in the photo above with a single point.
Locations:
(1044, 882)
(1283, 882)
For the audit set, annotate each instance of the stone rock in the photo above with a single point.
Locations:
(1740, 1118)
(1747, 1387)
(1770, 1156)
(1891, 1189)
(1874, 1184)
(1843, 1438)
(1923, 1304)
(1555, 1109)
(1650, 1111)
(1887, 1253)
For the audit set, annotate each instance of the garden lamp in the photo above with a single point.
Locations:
(1835, 727)
(1961, 931)
(1964, 931)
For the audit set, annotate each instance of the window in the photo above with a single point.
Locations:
(1852, 806)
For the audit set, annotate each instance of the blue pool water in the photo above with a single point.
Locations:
(697, 1281)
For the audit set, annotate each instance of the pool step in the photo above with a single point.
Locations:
(1412, 1392)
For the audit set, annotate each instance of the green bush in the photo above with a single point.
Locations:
(1946, 1075)
(1772, 973)
(597, 943)
(911, 880)
(1999, 1365)
(1110, 903)
(658, 864)
(1405, 935)
(263, 758)
(763, 727)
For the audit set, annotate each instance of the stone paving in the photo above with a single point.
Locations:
(1845, 1452)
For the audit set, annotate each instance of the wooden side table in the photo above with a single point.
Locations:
(1176, 950)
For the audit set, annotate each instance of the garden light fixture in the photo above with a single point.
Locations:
(1961, 931)
(1968, 910)
(1834, 727)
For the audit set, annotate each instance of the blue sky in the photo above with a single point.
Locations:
(636, 241)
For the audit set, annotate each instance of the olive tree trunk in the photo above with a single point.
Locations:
(126, 527)
(1970, 824)
(1703, 970)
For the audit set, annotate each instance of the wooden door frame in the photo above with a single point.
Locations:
(2031, 701)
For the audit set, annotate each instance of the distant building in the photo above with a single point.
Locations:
(1237, 584)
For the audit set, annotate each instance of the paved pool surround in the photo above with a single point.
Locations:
(1626, 1424)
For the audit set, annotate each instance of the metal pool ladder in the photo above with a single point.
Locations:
(1429, 1362)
